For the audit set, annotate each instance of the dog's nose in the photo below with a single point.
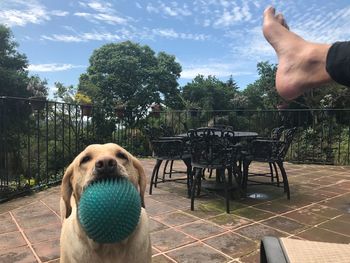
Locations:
(106, 166)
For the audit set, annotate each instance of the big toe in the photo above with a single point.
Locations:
(269, 13)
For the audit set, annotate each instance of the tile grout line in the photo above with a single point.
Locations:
(173, 260)
(282, 214)
(258, 221)
(197, 240)
(200, 242)
(226, 230)
(53, 211)
(25, 238)
(187, 223)
(302, 207)
(163, 254)
(311, 226)
(329, 230)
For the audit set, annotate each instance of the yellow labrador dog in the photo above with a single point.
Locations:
(95, 162)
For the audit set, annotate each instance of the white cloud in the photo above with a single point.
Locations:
(151, 9)
(100, 36)
(109, 19)
(62, 38)
(214, 69)
(172, 10)
(316, 24)
(230, 17)
(101, 7)
(324, 27)
(171, 33)
(223, 13)
(104, 13)
(124, 34)
(84, 37)
(59, 13)
(18, 18)
(23, 12)
(52, 67)
(251, 45)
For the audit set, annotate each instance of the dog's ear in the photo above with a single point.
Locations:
(66, 192)
(142, 181)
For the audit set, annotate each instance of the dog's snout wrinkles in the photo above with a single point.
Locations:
(106, 166)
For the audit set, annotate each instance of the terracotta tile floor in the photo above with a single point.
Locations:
(319, 209)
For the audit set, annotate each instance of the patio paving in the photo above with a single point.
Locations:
(319, 210)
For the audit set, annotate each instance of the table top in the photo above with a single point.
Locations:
(245, 134)
(240, 134)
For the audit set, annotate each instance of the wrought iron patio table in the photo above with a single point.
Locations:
(242, 137)
(239, 136)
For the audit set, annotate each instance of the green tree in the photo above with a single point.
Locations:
(131, 74)
(37, 86)
(65, 93)
(167, 73)
(15, 113)
(210, 93)
(14, 79)
(262, 93)
(13, 73)
(231, 83)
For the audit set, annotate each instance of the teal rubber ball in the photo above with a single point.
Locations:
(109, 210)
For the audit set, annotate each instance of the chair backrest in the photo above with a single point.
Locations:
(276, 133)
(288, 135)
(211, 147)
(170, 148)
(223, 127)
(167, 130)
(153, 133)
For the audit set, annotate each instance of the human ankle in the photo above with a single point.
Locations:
(316, 56)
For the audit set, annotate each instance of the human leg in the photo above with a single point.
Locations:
(302, 64)
(338, 62)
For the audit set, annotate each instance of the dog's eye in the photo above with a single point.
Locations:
(85, 159)
(122, 155)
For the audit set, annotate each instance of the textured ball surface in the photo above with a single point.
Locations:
(109, 210)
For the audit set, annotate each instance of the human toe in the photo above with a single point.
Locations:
(269, 13)
(280, 18)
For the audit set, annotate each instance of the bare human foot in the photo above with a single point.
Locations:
(301, 64)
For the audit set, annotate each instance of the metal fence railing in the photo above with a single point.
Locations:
(39, 138)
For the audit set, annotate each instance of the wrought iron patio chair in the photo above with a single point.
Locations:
(276, 134)
(170, 149)
(212, 148)
(157, 133)
(223, 127)
(271, 151)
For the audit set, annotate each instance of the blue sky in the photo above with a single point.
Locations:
(216, 37)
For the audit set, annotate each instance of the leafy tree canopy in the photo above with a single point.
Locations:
(14, 79)
(64, 93)
(131, 74)
(210, 93)
(37, 86)
(262, 93)
(13, 73)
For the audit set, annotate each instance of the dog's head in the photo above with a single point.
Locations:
(100, 161)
